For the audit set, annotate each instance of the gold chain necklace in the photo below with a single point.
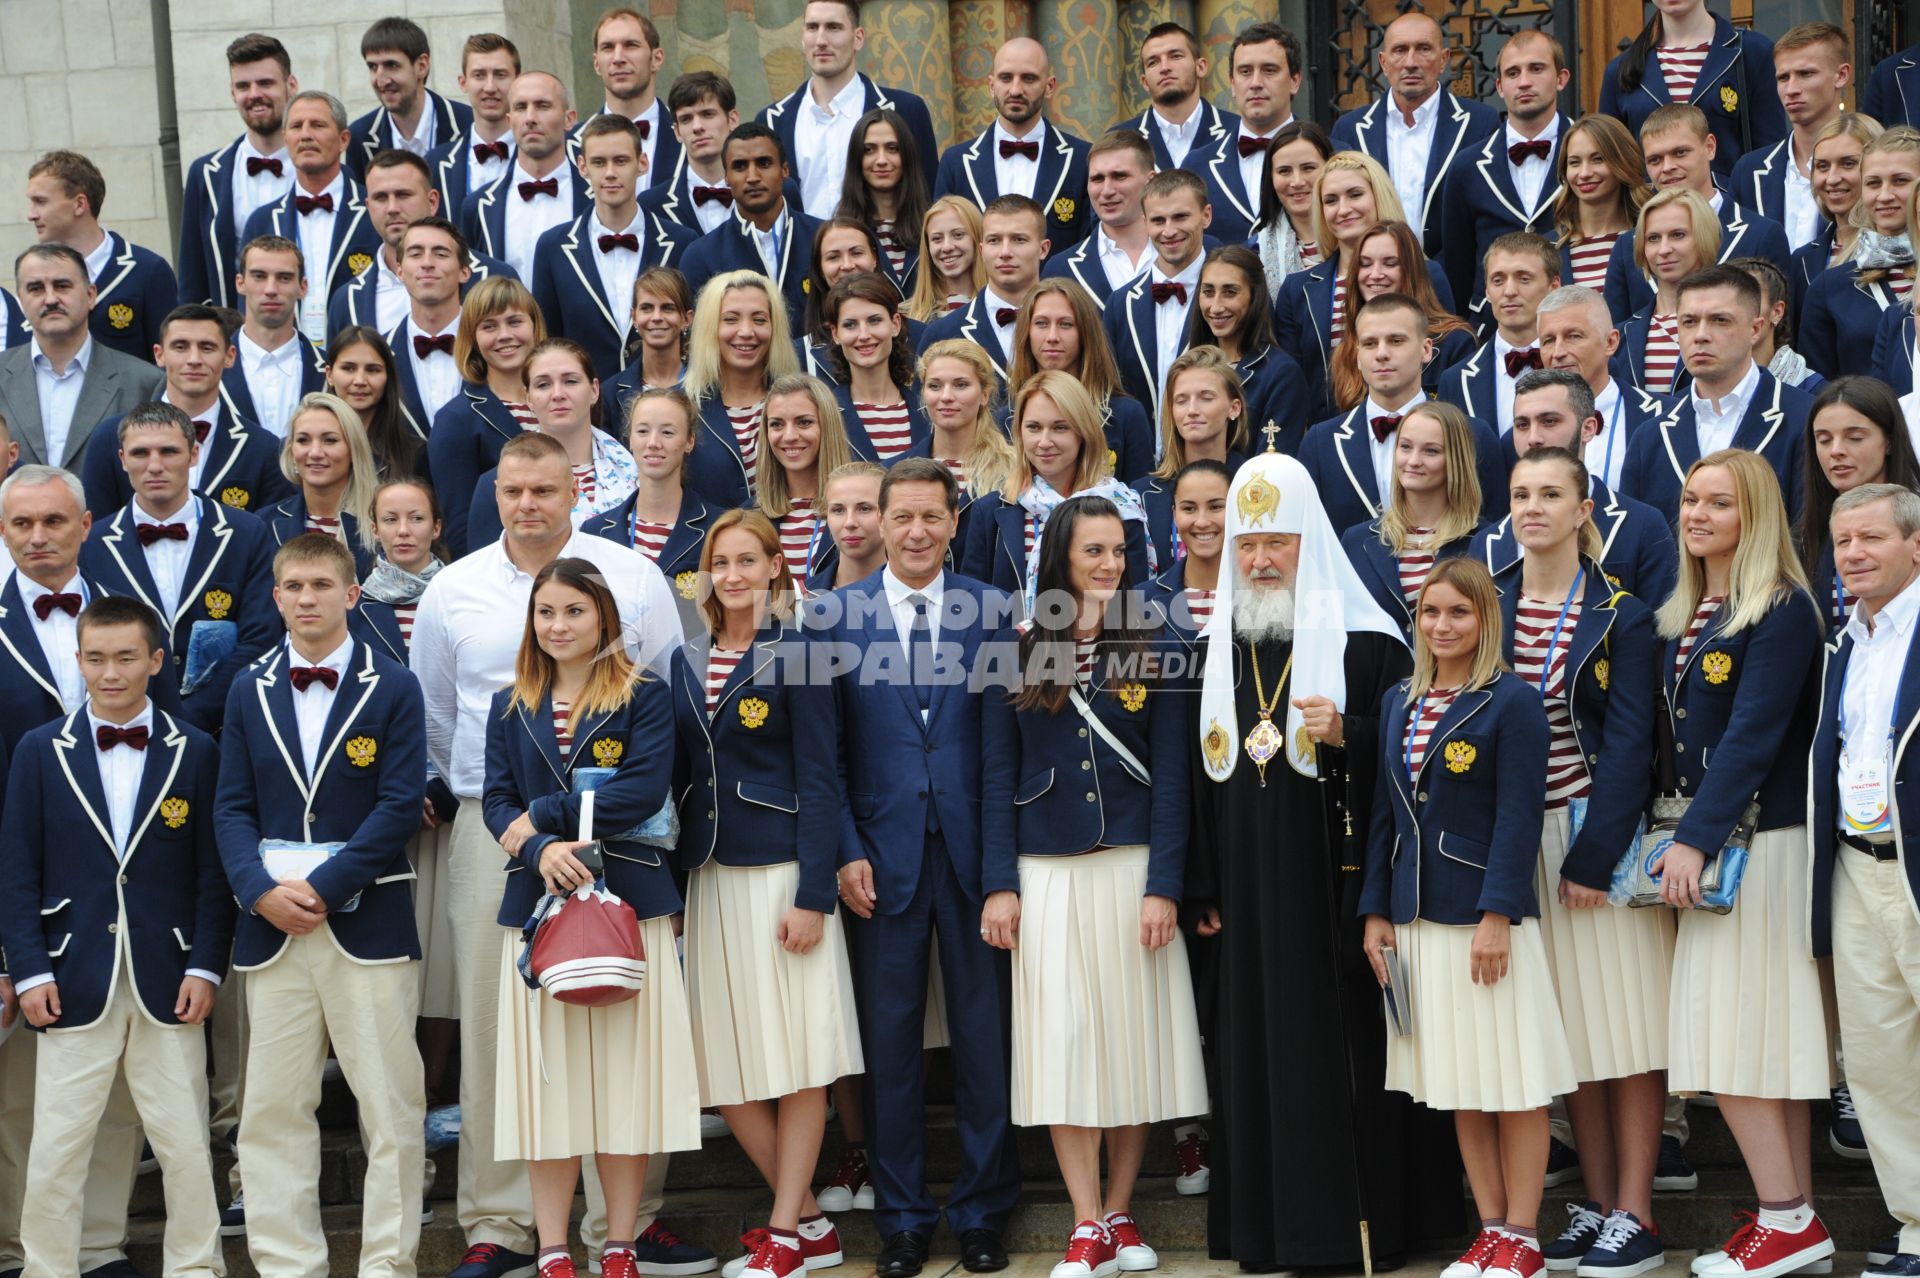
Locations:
(1265, 740)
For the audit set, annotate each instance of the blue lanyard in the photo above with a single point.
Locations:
(1839, 602)
(1546, 664)
(1614, 431)
(1413, 726)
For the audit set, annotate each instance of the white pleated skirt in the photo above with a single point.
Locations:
(766, 1023)
(1488, 1048)
(596, 1080)
(1747, 1015)
(1610, 967)
(429, 850)
(1104, 1030)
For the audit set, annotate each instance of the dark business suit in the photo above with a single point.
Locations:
(465, 443)
(1480, 204)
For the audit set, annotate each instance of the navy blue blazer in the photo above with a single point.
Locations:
(715, 469)
(358, 300)
(668, 158)
(1379, 569)
(1459, 122)
(1479, 204)
(229, 577)
(1743, 233)
(761, 768)
(1337, 454)
(449, 160)
(620, 389)
(1629, 363)
(527, 773)
(366, 791)
(1163, 596)
(892, 804)
(1056, 788)
(1235, 208)
(1156, 494)
(728, 247)
(673, 199)
(1478, 793)
(681, 554)
(238, 392)
(465, 443)
(1081, 264)
(816, 358)
(483, 218)
(1637, 548)
(566, 284)
(29, 696)
(133, 294)
(1809, 260)
(1742, 712)
(1735, 89)
(377, 625)
(1303, 328)
(1216, 128)
(412, 408)
(287, 519)
(1893, 91)
(1824, 770)
(65, 891)
(857, 437)
(1060, 187)
(374, 132)
(923, 447)
(781, 117)
(1840, 321)
(1760, 180)
(1775, 426)
(996, 549)
(1893, 342)
(1608, 694)
(1275, 387)
(1131, 324)
(13, 323)
(355, 238)
(974, 324)
(240, 465)
(210, 244)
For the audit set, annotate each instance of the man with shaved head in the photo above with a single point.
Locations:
(1020, 153)
(542, 190)
(1417, 126)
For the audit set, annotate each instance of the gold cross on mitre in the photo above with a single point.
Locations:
(1272, 432)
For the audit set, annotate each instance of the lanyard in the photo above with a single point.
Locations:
(1546, 663)
(1413, 726)
(1839, 601)
(1892, 723)
(1614, 431)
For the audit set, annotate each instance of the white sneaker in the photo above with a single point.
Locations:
(713, 1127)
(1129, 1248)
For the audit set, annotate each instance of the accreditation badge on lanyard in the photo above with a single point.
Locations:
(1864, 781)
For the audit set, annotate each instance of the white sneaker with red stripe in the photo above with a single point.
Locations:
(1090, 1253)
(773, 1256)
(1473, 1261)
(1769, 1252)
(1130, 1250)
(1515, 1258)
(850, 1188)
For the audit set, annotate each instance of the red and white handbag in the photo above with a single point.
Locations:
(584, 948)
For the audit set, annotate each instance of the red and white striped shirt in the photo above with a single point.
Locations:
(1590, 254)
(403, 615)
(524, 416)
(562, 734)
(1701, 616)
(796, 534)
(957, 467)
(1083, 654)
(651, 539)
(1425, 717)
(1309, 252)
(1663, 354)
(746, 434)
(583, 476)
(328, 524)
(1416, 561)
(1900, 280)
(956, 302)
(720, 664)
(896, 251)
(889, 426)
(1030, 529)
(1338, 326)
(1534, 622)
(1680, 67)
(1199, 606)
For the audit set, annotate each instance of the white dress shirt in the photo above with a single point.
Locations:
(59, 395)
(618, 269)
(482, 174)
(821, 135)
(1170, 325)
(462, 655)
(528, 220)
(390, 300)
(1716, 424)
(1503, 383)
(436, 377)
(212, 418)
(1250, 165)
(1408, 148)
(1179, 137)
(425, 133)
(711, 213)
(993, 304)
(59, 637)
(167, 558)
(1873, 678)
(312, 705)
(1382, 449)
(1606, 453)
(315, 232)
(774, 243)
(1016, 174)
(1531, 174)
(100, 258)
(1121, 266)
(273, 377)
(901, 604)
(251, 193)
(1802, 212)
(658, 122)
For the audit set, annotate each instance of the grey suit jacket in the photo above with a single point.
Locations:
(114, 383)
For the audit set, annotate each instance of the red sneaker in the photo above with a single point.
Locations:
(1190, 1156)
(1473, 1262)
(772, 1257)
(558, 1266)
(820, 1244)
(1515, 1258)
(1129, 1248)
(1764, 1251)
(850, 1189)
(1090, 1253)
(619, 1263)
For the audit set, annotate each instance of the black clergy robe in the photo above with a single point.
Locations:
(1284, 1134)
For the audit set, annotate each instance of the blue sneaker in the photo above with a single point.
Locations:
(491, 1260)
(1625, 1248)
(1673, 1171)
(1583, 1228)
(659, 1253)
(1563, 1164)
(1844, 1136)
(1901, 1265)
(1879, 1254)
(233, 1217)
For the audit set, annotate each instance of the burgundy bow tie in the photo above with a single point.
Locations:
(200, 430)
(547, 186)
(305, 677)
(1252, 146)
(1518, 360)
(1161, 292)
(624, 240)
(484, 151)
(258, 164)
(1539, 147)
(713, 194)
(150, 533)
(644, 128)
(43, 606)
(424, 346)
(108, 736)
(1384, 425)
(305, 204)
(1005, 315)
(1008, 148)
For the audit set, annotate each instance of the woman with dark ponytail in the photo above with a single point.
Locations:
(1687, 53)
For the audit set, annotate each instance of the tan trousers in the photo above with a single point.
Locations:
(227, 1042)
(1876, 974)
(110, 1170)
(77, 1069)
(312, 993)
(495, 1200)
